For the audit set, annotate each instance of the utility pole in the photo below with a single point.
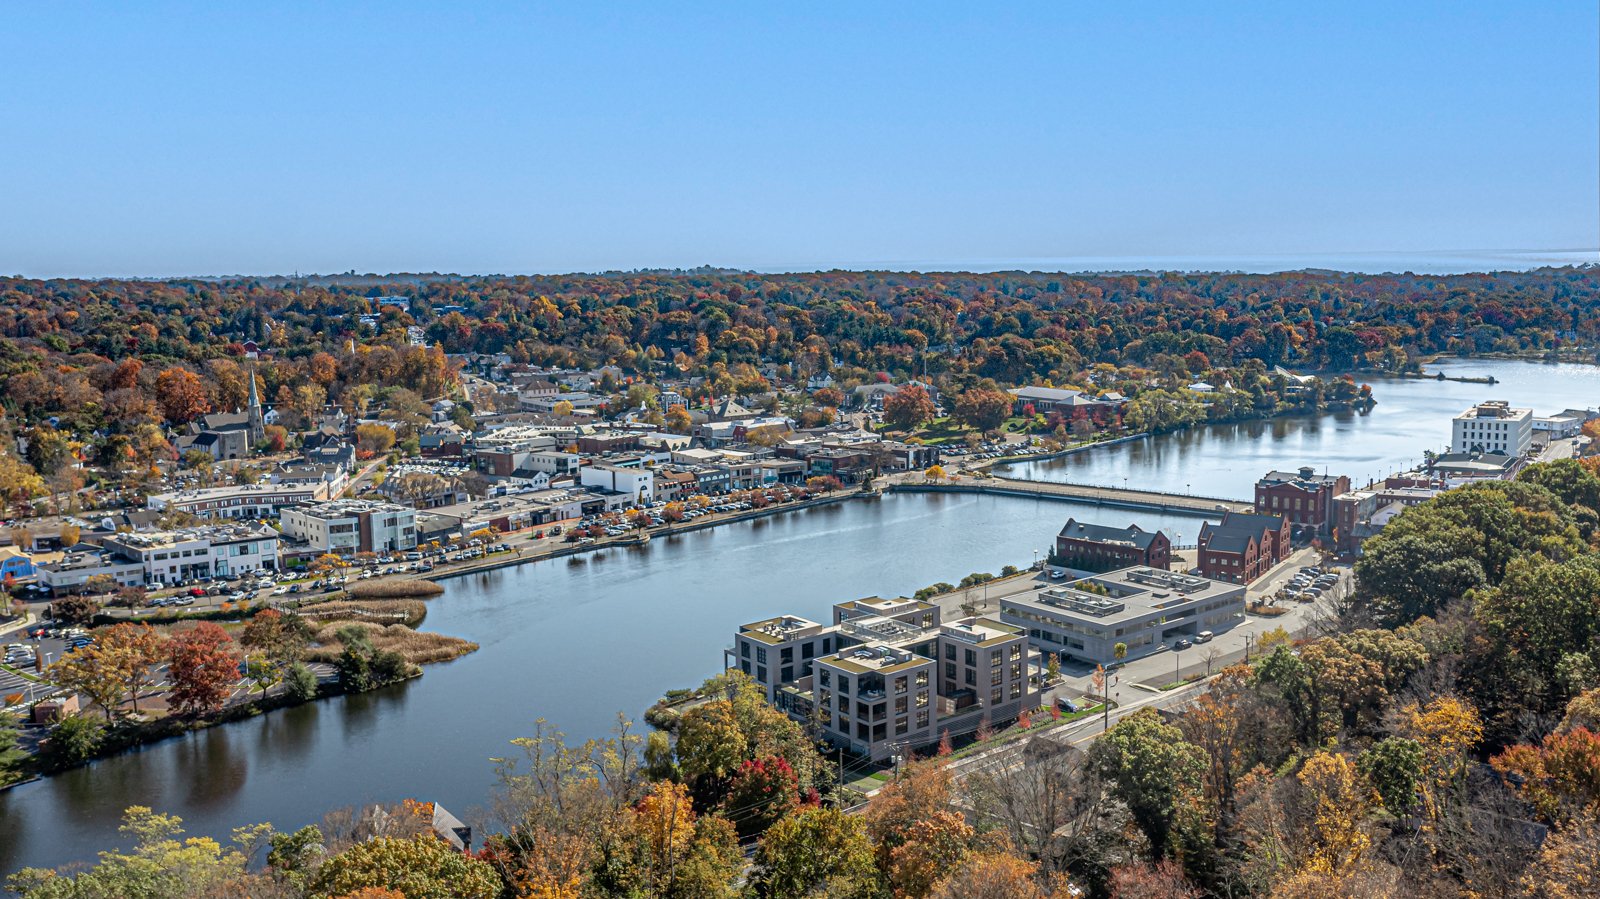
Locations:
(838, 800)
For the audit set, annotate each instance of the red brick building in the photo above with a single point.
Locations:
(1304, 498)
(1243, 547)
(1093, 547)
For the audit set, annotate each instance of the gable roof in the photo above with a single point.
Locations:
(1099, 533)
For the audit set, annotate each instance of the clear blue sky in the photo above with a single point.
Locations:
(162, 139)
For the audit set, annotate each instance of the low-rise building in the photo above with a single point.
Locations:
(1145, 609)
(638, 484)
(349, 526)
(240, 501)
(1304, 497)
(79, 564)
(202, 552)
(1243, 546)
(1093, 547)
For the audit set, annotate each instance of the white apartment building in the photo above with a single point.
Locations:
(1492, 427)
(349, 526)
(636, 483)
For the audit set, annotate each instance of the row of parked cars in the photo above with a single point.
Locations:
(1310, 583)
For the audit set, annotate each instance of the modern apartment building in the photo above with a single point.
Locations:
(1492, 427)
(1142, 608)
(349, 526)
(888, 675)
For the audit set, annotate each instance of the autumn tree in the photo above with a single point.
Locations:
(373, 440)
(908, 407)
(678, 420)
(181, 395)
(203, 668)
(422, 866)
(1560, 776)
(931, 848)
(983, 408)
(815, 851)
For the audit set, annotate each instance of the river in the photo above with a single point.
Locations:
(1411, 416)
(577, 640)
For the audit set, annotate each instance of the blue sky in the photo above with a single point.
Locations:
(168, 139)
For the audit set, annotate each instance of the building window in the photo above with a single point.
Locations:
(996, 676)
(994, 696)
(994, 659)
(971, 678)
(922, 720)
(950, 670)
(900, 705)
(971, 658)
(744, 648)
(901, 727)
(827, 677)
(1016, 650)
(788, 673)
(844, 685)
(949, 651)
(786, 654)
(761, 654)
(1016, 670)
(1016, 690)
(761, 673)
(922, 678)
(922, 699)
(844, 706)
(900, 685)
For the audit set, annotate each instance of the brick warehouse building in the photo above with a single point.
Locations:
(1093, 547)
(1303, 497)
(1243, 547)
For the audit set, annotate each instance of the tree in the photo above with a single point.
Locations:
(562, 408)
(132, 651)
(678, 420)
(934, 473)
(908, 407)
(1151, 768)
(160, 866)
(918, 791)
(932, 847)
(422, 867)
(181, 395)
(301, 682)
(1393, 766)
(203, 668)
(72, 741)
(374, 440)
(11, 757)
(75, 609)
(261, 671)
(1560, 777)
(18, 481)
(816, 851)
(1151, 880)
(1339, 799)
(1568, 866)
(983, 408)
(280, 638)
(276, 438)
(761, 791)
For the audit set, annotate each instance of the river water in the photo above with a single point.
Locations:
(578, 640)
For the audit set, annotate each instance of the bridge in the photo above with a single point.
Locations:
(1119, 497)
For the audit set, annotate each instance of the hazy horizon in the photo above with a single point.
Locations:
(170, 140)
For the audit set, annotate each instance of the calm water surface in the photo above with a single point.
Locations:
(576, 641)
(1411, 416)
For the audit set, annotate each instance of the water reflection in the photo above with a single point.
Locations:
(576, 641)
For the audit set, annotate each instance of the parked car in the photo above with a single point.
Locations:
(1203, 637)
(1183, 643)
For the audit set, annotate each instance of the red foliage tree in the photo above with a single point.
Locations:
(763, 790)
(203, 668)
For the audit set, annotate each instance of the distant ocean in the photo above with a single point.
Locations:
(1442, 262)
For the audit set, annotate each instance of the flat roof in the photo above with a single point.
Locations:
(1124, 595)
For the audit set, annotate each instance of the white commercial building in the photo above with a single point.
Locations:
(637, 483)
(1492, 427)
(349, 526)
(192, 553)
